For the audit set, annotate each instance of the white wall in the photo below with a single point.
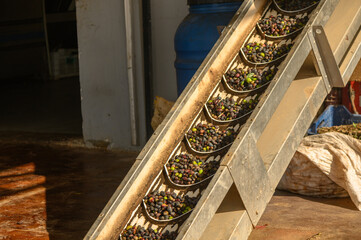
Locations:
(166, 16)
(103, 73)
(103, 69)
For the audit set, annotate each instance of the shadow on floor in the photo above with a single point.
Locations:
(339, 202)
(55, 192)
(290, 216)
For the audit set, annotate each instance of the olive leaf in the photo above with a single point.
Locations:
(250, 75)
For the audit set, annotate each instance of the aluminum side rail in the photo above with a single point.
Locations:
(324, 55)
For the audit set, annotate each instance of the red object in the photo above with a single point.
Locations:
(261, 226)
(334, 98)
(351, 97)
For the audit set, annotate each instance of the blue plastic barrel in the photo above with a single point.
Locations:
(196, 36)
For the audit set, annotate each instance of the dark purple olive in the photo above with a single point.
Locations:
(249, 79)
(225, 109)
(207, 137)
(185, 169)
(295, 5)
(168, 206)
(265, 52)
(280, 25)
(139, 233)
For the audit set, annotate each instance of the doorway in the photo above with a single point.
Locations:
(39, 73)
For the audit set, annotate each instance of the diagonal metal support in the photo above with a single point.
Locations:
(207, 206)
(248, 168)
(324, 57)
(250, 177)
(254, 173)
(239, 192)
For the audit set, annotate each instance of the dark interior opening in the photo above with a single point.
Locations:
(39, 73)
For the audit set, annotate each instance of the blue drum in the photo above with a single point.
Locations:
(197, 34)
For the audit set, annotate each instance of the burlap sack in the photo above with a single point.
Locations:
(327, 165)
(161, 109)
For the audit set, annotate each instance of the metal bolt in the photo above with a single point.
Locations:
(318, 31)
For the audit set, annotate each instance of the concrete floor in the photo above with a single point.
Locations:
(51, 187)
(54, 189)
(293, 217)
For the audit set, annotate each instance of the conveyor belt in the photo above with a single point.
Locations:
(230, 202)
